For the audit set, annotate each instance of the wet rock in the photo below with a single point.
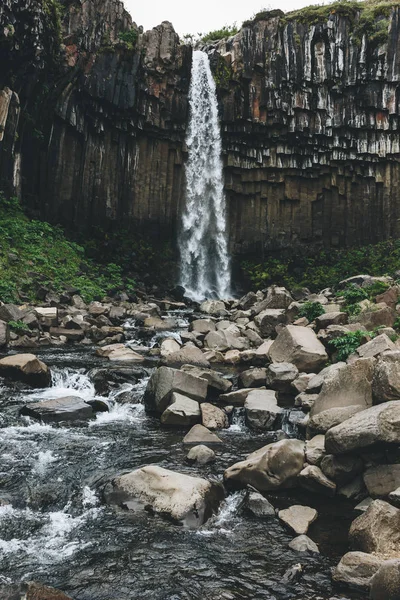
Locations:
(272, 467)
(280, 376)
(202, 455)
(164, 381)
(201, 435)
(113, 377)
(253, 378)
(299, 346)
(186, 355)
(381, 481)
(303, 543)
(298, 518)
(394, 497)
(26, 368)
(184, 499)
(313, 479)
(356, 570)
(182, 411)
(386, 381)
(70, 408)
(385, 584)
(349, 385)
(213, 417)
(341, 469)
(261, 408)
(158, 324)
(377, 530)
(269, 319)
(259, 506)
(376, 424)
(119, 353)
(237, 398)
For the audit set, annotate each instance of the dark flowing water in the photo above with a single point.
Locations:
(57, 530)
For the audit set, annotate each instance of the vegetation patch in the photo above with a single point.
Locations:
(348, 343)
(129, 38)
(319, 270)
(220, 34)
(311, 310)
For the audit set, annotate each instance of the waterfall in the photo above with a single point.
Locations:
(205, 264)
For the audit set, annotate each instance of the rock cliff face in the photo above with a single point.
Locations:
(92, 133)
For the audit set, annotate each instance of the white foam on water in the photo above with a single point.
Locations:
(223, 522)
(43, 461)
(128, 413)
(55, 537)
(66, 382)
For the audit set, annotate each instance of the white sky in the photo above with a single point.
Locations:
(204, 15)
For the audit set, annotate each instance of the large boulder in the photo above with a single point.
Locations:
(216, 340)
(377, 316)
(385, 584)
(182, 412)
(216, 383)
(316, 382)
(203, 326)
(237, 398)
(277, 298)
(376, 346)
(202, 455)
(269, 319)
(164, 381)
(300, 346)
(70, 408)
(302, 543)
(253, 378)
(280, 376)
(376, 424)
(215, 308)
(184, 499)
(261, 408)
(273, 467)
(341, 469)
(350, 385)
(377, 530)
(186, 355)
(26, 368)
(386, 381)
(356, 570)
(382, 480)
(332, 417)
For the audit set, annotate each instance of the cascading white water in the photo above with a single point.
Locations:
(205, 264)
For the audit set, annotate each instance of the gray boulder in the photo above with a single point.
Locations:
(299, 346)
(303, 543)
(298, 518)
(164, 381)
(216, 383)
(356, 570)
(259, 506)
(341, 469)
(268, 320)
(386, 381)
(327, 419)
(202, 455)
(273, 467)
(382, 480)
(237, 398)
(376, 424)
(213, 417)
(4, 334)
(182, 411)
(385, 584)
(201, 435)
(184, 499)
(202, 326)
(253, 378)
(377, 530)
(186, 355)
(280, 376)
(261, 408)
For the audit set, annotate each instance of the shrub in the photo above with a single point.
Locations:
(348, 343)
(353, 294)
(129, 38)
(18, 327)
(220, 34)
(311, 310)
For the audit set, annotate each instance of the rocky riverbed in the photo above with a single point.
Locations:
(164, 449)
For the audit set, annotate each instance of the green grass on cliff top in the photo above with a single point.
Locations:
(35, 254)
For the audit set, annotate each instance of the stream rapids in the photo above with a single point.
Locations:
(55, 528)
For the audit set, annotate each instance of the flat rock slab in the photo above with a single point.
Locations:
(261, 409)
(70, 408)
(356, 570)
(120, 353)
(298, 518)
(303, 543)
(182, 411)
(26, 368)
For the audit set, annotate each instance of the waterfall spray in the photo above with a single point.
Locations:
(205, 264)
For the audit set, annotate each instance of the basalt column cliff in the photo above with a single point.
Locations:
(93, 115)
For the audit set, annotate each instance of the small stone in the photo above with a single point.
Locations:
(298, 518)
(201, 435)
(260, 506)
(303, 543)
(201, 455)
